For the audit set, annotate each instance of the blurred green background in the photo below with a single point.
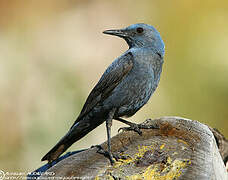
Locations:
(53, 52)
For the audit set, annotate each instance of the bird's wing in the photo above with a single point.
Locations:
(109, 80)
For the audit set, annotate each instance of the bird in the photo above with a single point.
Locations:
(125, 87)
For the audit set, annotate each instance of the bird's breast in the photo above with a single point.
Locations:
(138, 85)
(134, 91)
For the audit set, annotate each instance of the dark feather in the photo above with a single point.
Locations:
(110, 79)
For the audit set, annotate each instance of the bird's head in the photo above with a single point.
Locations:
(140, 35)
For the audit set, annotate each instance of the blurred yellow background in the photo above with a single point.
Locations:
(53, 52)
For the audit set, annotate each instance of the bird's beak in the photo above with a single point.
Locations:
(117, 32)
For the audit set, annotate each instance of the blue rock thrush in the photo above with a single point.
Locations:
(123, 89)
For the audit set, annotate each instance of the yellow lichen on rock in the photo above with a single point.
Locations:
(182, 141)
(162, 146)
(172, 171)
(139, 154)
(166, 169)
(142, 150)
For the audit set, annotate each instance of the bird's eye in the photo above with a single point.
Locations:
(139, 30)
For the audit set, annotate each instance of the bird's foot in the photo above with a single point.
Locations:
(111, 156)
(118, 156)
(107, 154)
(137, 128)
(133, 127)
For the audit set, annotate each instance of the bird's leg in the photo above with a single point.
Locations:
(108, 128)
(108, 153)
(134, 127)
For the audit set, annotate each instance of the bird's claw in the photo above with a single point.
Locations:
(137, 128)
(131, 128)
(117, 156)
(105, 153)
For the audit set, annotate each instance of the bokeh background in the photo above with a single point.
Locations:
(52, 53)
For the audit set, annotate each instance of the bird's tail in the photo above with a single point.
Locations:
(59, 148)
(76, 132)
